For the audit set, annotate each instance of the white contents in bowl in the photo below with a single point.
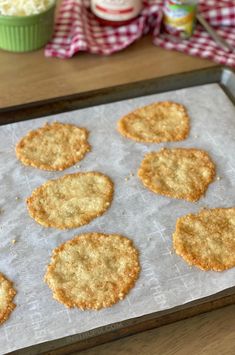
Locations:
(24, 7)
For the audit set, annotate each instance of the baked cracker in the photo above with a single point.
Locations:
(155, 123)
(207, 239)
(55, 146)
(178, 173)
(7, 294)
(93, 270)
(71, 201)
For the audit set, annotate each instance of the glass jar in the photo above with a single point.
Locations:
(116, 12)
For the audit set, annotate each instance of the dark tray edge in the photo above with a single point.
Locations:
(101, 335)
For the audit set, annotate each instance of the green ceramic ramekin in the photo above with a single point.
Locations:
(26, 33)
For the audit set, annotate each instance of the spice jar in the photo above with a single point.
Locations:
(116, 12)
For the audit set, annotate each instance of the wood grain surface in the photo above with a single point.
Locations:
(28, 77)
(31, 77)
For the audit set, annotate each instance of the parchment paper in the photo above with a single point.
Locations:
(149, 219)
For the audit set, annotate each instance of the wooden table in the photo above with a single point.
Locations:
(31, 77)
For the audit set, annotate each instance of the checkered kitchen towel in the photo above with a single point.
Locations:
(77, 30)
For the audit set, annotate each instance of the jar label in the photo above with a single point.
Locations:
(116, 10)
(179, 17)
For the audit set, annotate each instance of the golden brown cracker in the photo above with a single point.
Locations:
(7, 294)
(55, 146)
(179, 173)
(155, 123)
(71, 201)
(207, 239)
(93, 270)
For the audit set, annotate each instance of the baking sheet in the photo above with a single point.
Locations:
(166, 280)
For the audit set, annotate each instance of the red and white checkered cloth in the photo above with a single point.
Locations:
(78, 30)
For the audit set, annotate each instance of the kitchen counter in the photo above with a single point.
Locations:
(32, 77)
